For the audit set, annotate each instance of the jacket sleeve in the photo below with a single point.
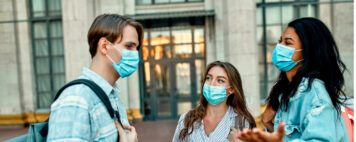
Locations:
(322, 122)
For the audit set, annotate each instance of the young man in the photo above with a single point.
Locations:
(78, 114)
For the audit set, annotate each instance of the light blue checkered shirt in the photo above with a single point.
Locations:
(79, 115)
(219, 134)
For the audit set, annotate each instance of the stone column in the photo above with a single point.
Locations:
(109, 6)
(14, 61)
(26, 62)
(133, 81)
(77, 17)
(220, 31)
(235, 28)
(210, 41)
(122, 83)
(343, 32)
(325, 14)
(134, 95)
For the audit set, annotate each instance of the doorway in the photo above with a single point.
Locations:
(173, 65)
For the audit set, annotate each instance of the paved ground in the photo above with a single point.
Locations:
(156, 131)
(7, 133)
(149, 131)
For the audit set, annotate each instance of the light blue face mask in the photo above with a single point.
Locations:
(214, 94)
(128, 63)
(282, 57)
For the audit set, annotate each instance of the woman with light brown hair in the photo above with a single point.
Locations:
(222, 106)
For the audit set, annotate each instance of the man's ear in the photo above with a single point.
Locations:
(102, 46)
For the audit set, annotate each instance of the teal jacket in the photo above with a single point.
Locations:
(311, 116)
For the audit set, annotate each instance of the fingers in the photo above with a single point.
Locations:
(128, 127)
(133, 129)
(253, 136)
(256, 135)
(118, 127)
(243, 135)
(260, 135)
(280, 131)
(232, 129)
(233, 134)
(231, 137)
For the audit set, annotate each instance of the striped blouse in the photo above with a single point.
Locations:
(219, 134)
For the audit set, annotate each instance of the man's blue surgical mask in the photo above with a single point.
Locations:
(128, 64)
(214, 94)
(282, 57)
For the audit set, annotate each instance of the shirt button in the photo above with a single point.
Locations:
(290, 135)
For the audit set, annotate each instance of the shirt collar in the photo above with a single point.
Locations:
(231, 112)
(100, 81)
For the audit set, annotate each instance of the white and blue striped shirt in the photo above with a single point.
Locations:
(79, 115)
(219, 134)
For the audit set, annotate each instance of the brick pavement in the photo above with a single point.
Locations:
(148, 131)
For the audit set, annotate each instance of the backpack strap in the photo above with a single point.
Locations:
(97, 90)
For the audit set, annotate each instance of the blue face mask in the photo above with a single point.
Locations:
(214, 94)
(128, 63)
(282, 57)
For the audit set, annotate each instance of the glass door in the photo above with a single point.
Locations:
(173, 61)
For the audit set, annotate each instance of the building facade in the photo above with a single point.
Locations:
(45, 45)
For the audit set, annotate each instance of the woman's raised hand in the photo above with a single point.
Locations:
(257, 135)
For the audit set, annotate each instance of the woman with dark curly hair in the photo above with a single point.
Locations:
(307, 96)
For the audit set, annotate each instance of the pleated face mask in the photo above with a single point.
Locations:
(128, 64)
(214, 94)
(282, 57)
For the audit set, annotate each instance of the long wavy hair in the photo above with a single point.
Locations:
(236, 100)
(321, 61)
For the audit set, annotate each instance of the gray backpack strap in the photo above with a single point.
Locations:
(239, 122)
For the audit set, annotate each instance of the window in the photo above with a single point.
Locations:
(145, 2)
(48, 52)
(173, 59)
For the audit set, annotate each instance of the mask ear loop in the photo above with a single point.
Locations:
(110, 43)
(108, 55)
(115, 46)
(229, 88)
(110, 58)
(300, 59)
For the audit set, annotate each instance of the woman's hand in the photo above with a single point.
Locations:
(124, 136)
(233, 135)
(267, 118)
(256, 135)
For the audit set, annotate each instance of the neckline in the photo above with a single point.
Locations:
(217, 126)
